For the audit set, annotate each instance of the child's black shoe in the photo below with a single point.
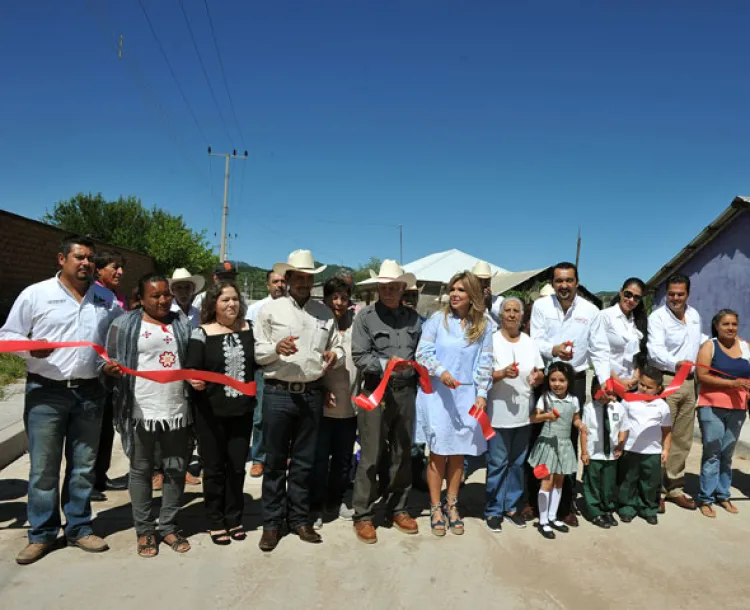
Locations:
(546, 531)
(611, 518)
(652, 520)
(559, 526)
(601, 521)
(625, 519)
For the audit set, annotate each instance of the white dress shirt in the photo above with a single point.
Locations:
(550, 327)
(192, 317)
(670, 340)
(497, 303)
(48, 310)
(316, 327)
(254, 309)
(616, 329)
(593, 419)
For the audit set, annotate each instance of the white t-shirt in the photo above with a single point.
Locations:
(645, 421)
(159, 402)
(511, 401)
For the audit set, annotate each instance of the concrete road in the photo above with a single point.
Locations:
(687, 561)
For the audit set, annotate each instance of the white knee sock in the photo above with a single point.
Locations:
(543, 501)
(554, 503)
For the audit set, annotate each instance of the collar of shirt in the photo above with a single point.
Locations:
(573, 325)
(386, 312)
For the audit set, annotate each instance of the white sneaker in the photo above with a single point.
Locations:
(318, 523)
(345, 512)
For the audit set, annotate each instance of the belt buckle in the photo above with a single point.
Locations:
(71, 384)
(296, 387)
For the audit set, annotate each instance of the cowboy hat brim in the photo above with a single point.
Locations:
(282, 268)
(484, 276)
(407, 278)
(197, 280)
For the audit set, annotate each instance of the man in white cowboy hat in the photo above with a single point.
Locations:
(492, 304)
(296, 341)
(184, 287)
(381, 332)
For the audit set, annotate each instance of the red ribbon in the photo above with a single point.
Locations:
(368, 403)
(541, 471)
(615, 386)
(481, 416)
(158, 376)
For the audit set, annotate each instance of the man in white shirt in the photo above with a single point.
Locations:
(297, 341)
(223, 271)
(64, 397)
(561, 327)
(276, 285)
(674, 337)
(184, 287)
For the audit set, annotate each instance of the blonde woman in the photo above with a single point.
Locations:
(456, 349)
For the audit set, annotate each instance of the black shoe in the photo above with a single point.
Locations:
(546, 531)
(625, 519)
(517, 520)
(269, 540)
(611, 518)
(306, 533)
(495, 524)
(652, 520)
(98, 496)
(120, 484)
(601, 521)
(220, 538)
(559, 526)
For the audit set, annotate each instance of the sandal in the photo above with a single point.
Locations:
(238, 533)
(437, 526)
(147, 548)
(707, 511)
(179, 543)
(728, 506)
(451, 509)
(221, 537)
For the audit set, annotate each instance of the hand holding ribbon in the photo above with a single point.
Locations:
(368, 403)
(484, 421)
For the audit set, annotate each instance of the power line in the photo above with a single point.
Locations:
(223, 73)
(205, 73)
(171, 70)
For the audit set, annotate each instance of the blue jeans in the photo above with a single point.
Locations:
(257, 451)
(506, 455)
(57, 418)
(720, 429)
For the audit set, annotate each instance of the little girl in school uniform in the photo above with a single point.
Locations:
(557, 409)
(649, 438)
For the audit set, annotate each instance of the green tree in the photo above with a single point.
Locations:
(127, 223)
(363, 271)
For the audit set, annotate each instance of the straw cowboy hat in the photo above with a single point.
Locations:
(391, 271)
(482, 270)
(183, 275)
(547, 291)
(299, 260)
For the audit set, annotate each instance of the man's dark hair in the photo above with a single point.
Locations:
(336, 284)
(564, 265)
(653, 373)
(67, 243)
(678, 278)
(105, 257)
(208, 309)
(268, 275)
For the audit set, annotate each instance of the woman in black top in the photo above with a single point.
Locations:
(223, 416)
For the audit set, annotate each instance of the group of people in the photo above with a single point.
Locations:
(308, 358)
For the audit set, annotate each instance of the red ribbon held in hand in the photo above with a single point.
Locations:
(158, 376)
(368, 403)
(481, 416)
(541, 471)
(619, 389)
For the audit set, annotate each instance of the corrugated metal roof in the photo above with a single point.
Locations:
(739, 206)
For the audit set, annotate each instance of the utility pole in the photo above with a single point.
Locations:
(400, 244)
(578, 246)
(225, 207)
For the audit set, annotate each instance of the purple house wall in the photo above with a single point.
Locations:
(720, 276)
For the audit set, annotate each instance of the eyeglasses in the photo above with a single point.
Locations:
(629, 295)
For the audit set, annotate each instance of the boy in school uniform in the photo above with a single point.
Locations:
(602, 442)
(649, 439)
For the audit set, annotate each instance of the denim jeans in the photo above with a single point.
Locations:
(290, 431)
(333, 459)
(720, 429)
(57, 418)
(506, 455)
(257, 451)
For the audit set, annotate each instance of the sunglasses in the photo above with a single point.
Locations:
(629, 295)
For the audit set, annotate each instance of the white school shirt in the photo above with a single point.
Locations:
(510, 402)
(593, 418)
(619, 332)
(550, 327)
(670, 341)
(192, 318)
(645, 421)
(48, 310)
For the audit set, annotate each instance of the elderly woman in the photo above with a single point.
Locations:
(518, 368)
(223, 416)
(147, 412)
(722, 402)
(456, 349)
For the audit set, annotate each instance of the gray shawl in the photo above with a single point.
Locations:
(122, 347)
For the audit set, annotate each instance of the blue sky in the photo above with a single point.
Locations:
(493, 127)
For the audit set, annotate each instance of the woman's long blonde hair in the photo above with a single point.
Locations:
(477, 321)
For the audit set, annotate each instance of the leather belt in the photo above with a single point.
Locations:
(61, 383)
(295, 387)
